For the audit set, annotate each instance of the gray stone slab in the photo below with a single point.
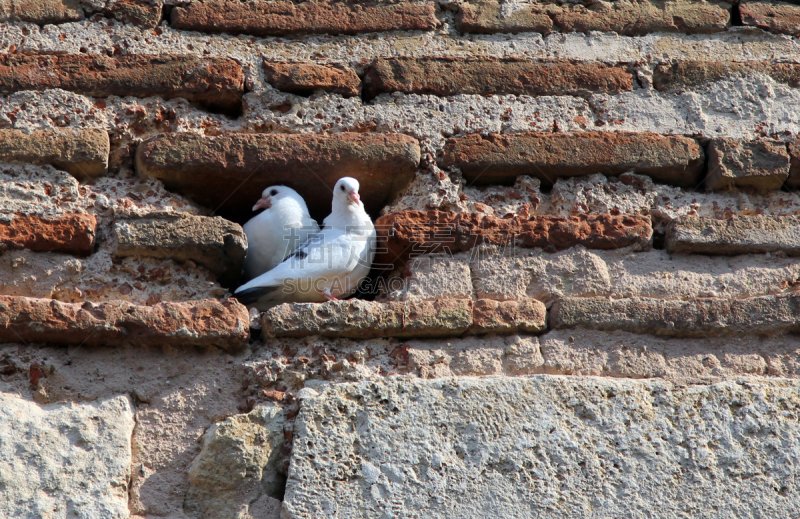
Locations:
(694, 318)
(65, 461)
(546, 447)
(735, 235)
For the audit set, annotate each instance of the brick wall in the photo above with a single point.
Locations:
(589, 228)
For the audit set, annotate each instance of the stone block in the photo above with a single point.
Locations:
(754, 234)
(545, 446)
(761, 165)
(82, 153)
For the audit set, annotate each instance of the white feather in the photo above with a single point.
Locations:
(277, 231)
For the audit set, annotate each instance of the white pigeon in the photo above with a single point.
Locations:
(330, 265)
(277, 231)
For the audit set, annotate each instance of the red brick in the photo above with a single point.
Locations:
(794, 165)
(781, 18)
(70, 233)
(229, 172)
(490, 159)
(306, 78)
(488, 76)
(216, 82)
(279, 17)
(206, 322)
(408, 233)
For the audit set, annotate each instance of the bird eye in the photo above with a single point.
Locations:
(342, 187)
(273, 192)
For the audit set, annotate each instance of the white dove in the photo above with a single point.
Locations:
(277, 231)
(331, 264)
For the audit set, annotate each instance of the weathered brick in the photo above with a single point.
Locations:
(762, 165)
(794, 165)
(735, 235)
(83, 153)
(143, 13)
(687, 75)
(497, 158)
(778, 17)
(214, 242)
(70, 233)
(216, 82)
(305, 78)
(489, 316)
(279, 17)
(41, 11)
(493, 76)
(633, 18)
(630, 18)
(695, 318)
(407, 233)
(229, 172)
(486, 17)
(368, 319)
(205, 322)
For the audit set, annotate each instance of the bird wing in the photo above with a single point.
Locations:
(325, 255)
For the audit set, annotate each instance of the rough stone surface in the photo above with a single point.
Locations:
(623, 17)
(490, 316)
(491, 76)
(430, 277)
(408, 233)
(762, 165)
(306, 78)
(735, 235)
(41, 11)
(143, 13)
(545, 446)
(218, 244)
(368, 319)
(494, 158)
(229, 172)
(83, 153)
(275, 18)
(697, 318)
(206, 322)
(487, 17)
(65, 460)
(633, 18)
(577, 272)
(778, 17)
(216, 82)
(235, 476)
(73, 234)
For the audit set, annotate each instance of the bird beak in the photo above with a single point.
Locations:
(353, 196)
(263, 203)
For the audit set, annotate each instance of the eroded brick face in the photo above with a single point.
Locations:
(217, 82)
(306, 78)
(275, 18)
(229, 172)
(408, 233)
(490, 76)
(781, 18)
(549, 156)
(70, 233)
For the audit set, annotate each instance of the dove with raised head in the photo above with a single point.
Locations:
(329, 265)
(276, 231)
